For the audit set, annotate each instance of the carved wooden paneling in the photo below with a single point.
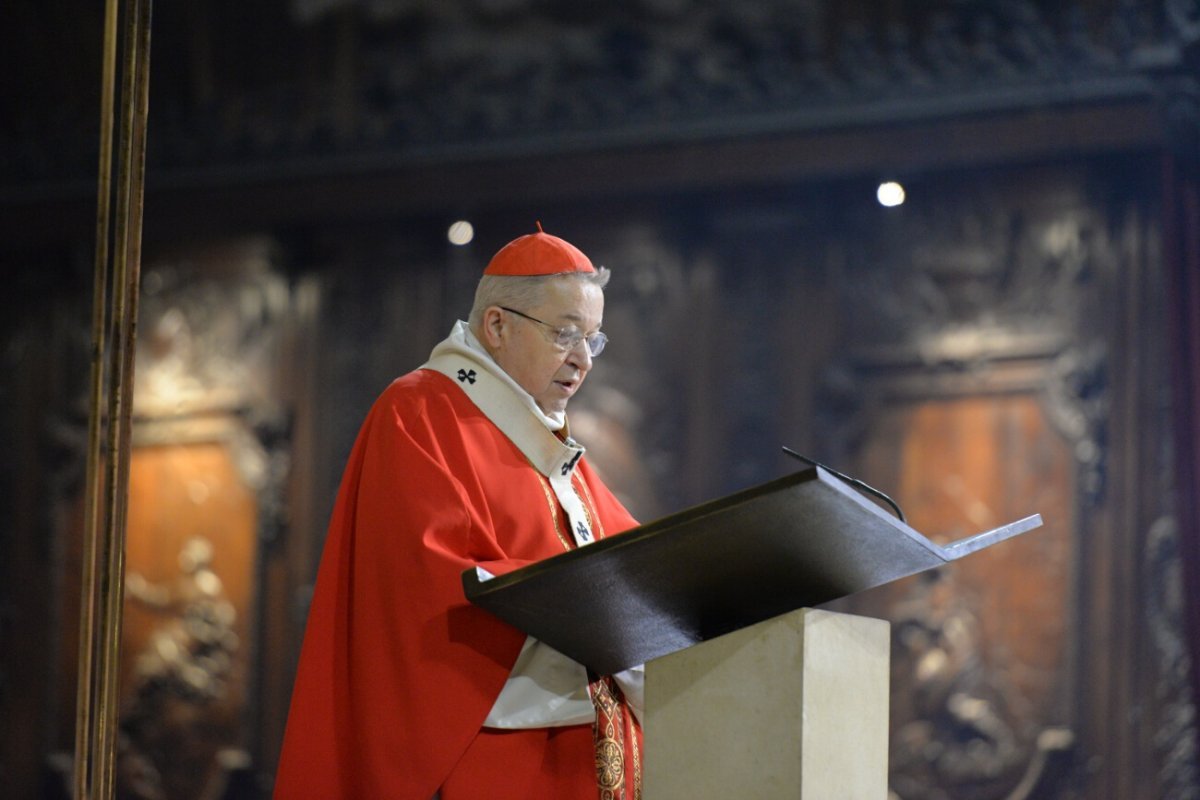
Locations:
(206, 511)
(296, 80)
(188, 637)
(993, 314)
(981, 649)
(1007, 354)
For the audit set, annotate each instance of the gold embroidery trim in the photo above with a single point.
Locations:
(585, 499)
(545, 484)
(609, 739)
(589, 503)
(637, 759)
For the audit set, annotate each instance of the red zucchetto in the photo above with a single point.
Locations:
(538, 254)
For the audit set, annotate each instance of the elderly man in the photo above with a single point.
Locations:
(404, 690)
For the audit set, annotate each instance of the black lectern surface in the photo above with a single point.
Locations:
(795, 542)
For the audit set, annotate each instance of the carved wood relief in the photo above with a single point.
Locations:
(981, 653)
(976, 391)
(1175, 740)
(189, 633)
(370, 77)
(992, 326)
(209, 463)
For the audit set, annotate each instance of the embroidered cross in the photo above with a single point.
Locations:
(584, 533)
(466, 375)
(567, 467)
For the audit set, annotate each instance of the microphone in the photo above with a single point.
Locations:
(855, 482)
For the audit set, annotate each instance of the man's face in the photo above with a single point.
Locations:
(526, 350)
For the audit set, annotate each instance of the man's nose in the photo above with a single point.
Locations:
(579, 356)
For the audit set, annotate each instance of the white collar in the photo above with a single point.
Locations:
(462, 358)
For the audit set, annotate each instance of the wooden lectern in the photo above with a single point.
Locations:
(749, 691)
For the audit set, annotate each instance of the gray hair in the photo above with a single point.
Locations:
(523, 291)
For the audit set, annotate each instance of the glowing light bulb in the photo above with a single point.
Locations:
(890, 194)
(461, 232)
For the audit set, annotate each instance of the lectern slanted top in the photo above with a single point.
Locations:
(795, 542)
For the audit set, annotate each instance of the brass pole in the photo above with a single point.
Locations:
(85, 690)
(104, 550)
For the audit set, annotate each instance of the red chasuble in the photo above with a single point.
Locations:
(398, 671)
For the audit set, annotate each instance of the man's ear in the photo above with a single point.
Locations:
(492, 327)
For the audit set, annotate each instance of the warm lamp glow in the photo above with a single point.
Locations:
(461, 232)
(890, 194)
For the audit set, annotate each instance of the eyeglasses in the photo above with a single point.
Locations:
(568, 338)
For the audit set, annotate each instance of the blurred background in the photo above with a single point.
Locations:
(950, 247)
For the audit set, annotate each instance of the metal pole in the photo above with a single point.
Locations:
(107, 493)
(85, 690)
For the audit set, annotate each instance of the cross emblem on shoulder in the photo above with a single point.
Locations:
(570, 465)
(466, 376)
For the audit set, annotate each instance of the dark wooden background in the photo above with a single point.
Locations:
(999, 345)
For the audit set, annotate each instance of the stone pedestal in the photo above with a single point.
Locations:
(793, 707)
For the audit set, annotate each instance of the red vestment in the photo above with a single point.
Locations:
(398, 671)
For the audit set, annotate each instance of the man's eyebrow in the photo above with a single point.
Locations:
(574, 318)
